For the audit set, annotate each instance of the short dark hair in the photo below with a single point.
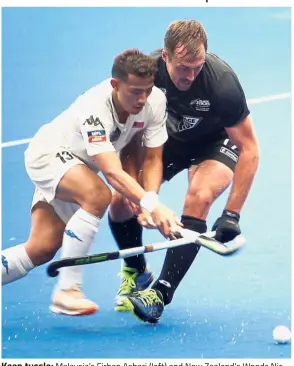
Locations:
(188, 33)
(133, 62)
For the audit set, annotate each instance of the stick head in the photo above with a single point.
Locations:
(52, 270)
(187, 234)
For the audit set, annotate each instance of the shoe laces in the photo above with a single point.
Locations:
(149, 297)
(128, 280)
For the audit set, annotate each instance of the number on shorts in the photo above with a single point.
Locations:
(64, 156)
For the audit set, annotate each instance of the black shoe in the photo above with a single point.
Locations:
(146, 305)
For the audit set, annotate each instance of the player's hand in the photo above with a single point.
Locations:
(166, 221)
(145, 219)
(227, 226)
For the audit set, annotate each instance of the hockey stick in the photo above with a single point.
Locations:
(205, 240)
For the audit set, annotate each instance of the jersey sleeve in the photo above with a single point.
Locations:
(96, 129)
(230, 102)
(156, 133)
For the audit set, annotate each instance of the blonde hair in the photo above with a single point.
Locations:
(188, 33)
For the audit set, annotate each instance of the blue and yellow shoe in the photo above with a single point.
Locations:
(133, 281)
(145, 305)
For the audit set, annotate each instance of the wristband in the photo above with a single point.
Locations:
(232, 214)
(149, 201)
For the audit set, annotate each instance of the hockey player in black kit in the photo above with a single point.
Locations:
(211, 135)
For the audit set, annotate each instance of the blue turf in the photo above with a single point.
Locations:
(226, 307)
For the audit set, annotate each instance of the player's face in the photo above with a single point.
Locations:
(182, 69)
(132, 94)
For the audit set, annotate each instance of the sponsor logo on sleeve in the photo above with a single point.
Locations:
(96, 136)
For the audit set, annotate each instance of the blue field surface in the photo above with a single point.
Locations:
(225, 307)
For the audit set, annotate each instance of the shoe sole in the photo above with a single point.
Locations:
(127, 307)
(61, 311)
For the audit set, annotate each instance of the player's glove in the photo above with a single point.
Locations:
(227, 226)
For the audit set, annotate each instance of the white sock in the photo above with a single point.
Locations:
(15, 264)
(78, 236)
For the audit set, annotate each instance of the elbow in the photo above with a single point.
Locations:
(255, 158)
(255, 151)
(251, 153)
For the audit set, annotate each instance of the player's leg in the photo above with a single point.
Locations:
(127, 233)
(80, 198)
(44, 241)
(206, 182)
(126, 230)
(148, 305)
(82, 186)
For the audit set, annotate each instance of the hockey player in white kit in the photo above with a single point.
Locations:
(63, 159)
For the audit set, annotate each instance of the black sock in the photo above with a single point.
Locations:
(127, 235)
(178, 261)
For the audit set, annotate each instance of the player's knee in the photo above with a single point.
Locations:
(118, 209)
(117, 201)
(49, 253)
(42, 254)
(201, 198)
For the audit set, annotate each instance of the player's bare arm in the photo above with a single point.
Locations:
(131, 156)
(243, 136)
(110, 165)
(150, 177)
(151, 169)
(144, 164)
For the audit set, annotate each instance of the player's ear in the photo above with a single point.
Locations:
(114, 83)
(164, 55)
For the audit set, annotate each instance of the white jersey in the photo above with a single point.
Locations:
(90, 126)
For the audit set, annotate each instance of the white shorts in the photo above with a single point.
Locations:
(64, 210)
(46, 171)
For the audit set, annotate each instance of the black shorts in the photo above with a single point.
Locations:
(177, 158)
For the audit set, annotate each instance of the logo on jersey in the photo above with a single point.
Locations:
(138, 124)
(93, 122)
(96, 136)
(188, 122)
(200, 105)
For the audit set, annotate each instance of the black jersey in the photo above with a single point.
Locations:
(214, 101)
